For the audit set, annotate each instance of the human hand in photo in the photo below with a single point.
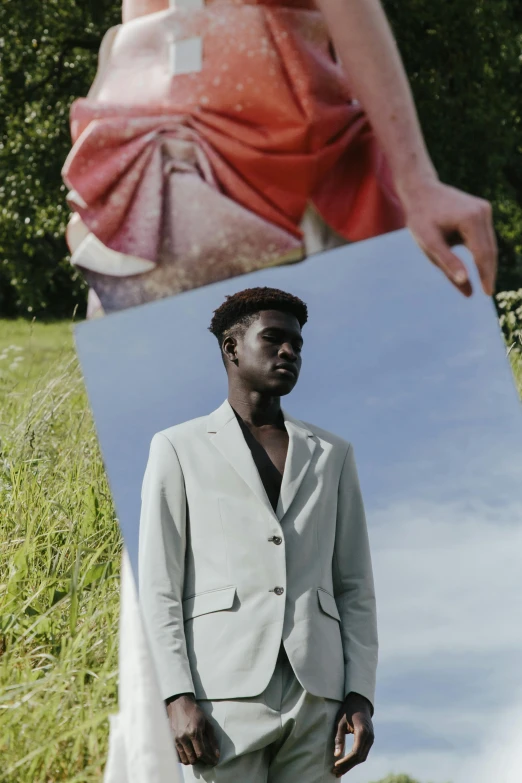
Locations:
(354, 717)
(192, 731)
(440, 216)
(437, 215)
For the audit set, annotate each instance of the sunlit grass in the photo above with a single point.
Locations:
(59, 565)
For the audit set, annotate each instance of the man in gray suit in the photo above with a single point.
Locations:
(255, 574)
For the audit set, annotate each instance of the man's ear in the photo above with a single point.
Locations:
(229, 348)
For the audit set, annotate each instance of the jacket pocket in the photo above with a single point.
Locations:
(209, 601)
(327, 603)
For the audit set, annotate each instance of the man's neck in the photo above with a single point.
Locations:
(255, 409)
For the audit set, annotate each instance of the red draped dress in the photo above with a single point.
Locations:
(210, 133)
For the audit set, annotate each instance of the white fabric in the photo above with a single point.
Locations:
(141, 749)
(92, 254)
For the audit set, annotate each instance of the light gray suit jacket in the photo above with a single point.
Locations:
(208, 566)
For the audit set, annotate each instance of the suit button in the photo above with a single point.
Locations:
(279, 590)
(276, 540)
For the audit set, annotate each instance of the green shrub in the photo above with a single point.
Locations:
(509, 304)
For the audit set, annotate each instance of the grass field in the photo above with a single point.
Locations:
(59, 565)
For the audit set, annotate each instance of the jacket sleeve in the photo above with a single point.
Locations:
(353, 585)
(161, 557)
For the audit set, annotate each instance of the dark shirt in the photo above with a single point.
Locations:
(270, 476)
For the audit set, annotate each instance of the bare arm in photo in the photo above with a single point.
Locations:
(436, 214)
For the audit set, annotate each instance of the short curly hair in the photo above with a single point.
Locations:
(239, 310)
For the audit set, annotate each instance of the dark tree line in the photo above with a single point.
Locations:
(464, 62)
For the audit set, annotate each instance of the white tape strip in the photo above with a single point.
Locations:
(186, 56)
(187, 5)
(94, 255)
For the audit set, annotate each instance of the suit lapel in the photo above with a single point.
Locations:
(226, 436)
(301, 447)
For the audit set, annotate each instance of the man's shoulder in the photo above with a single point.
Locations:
(329, 437)
(179, 433)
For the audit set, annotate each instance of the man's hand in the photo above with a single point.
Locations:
(192, 731)
(440, 216)
(354, 717)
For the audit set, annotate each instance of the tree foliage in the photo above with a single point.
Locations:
(463, 59)
(48, 57)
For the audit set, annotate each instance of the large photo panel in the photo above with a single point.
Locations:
(415, 377)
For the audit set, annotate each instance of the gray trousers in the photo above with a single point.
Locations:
(285, 735)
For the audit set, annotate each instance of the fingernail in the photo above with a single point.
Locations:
(460, 277)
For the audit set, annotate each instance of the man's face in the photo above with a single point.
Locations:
(269, 353)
